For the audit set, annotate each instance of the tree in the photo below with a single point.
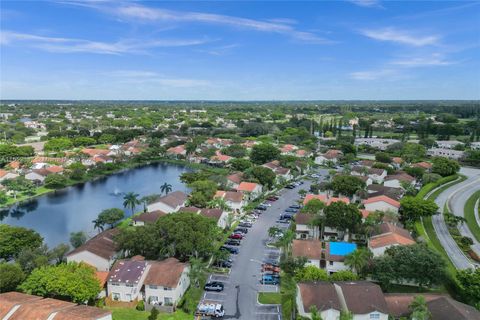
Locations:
(413, 152)
(202, 192)
(30, 259)
(444, 167)
(3, 197)
(343, 275)
(235, 150)
(265, 152)
(83, 141)
(218, 203)
(77, 239)
(182, 236)
(14, 239)
(130, 200)
(412, 209)
(292, 265)
(346, 315)
(58, 144)
(347, 185)
(197, 271)
(358, 259)
(77, 170)
(265, 176)
(342, 216)
(19, 184)
(383, 157)
(240, 164)
(311, 273)
(315, 315)
(110, 216)
(166, 188)
(11, 275)
(58, 253)
(314, 206)
(73, 281)
(419, 309)
(153, 314)
(55, 181)
(469, 281)
(414, 263)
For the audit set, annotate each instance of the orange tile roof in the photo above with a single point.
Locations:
(3, 173)
(14, 164)
(102, 277)
(55, 169)
(177, 150)
(92, 152)
(247, 186)
(388, 239)
(307, 248)
(365, 213)
(324, 198)
(382, 199)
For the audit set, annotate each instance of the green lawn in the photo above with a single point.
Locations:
(470, 215)
(269, 298)
(132, 314)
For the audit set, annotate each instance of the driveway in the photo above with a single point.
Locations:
(455, 192)
(240, 296)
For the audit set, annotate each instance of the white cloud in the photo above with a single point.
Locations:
(399, 36)
(373, 74)
(72, 45)
(142, 14)
(366, 3)
(429, 61)
(144, 77)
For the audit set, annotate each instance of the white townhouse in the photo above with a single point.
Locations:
(126, 279)
(169, 203)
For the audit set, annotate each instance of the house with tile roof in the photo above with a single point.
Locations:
(280, 172)
(147, 218)
(331, 155)
(126, 279)
(251, 190)
(99, 252)
(324, 198)
(168, 203)
(178, 151)
(6, 175)
(381, 203)
(377, 175)
(363, 299)
(389, 235)
(21, 306)
(166, 282)
(397, 180)
(234, 180)
(234, 199)
(427, 166)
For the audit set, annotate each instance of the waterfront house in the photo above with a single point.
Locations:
(126, 279)
(177, 152)
(166, 282)
(147, 217)
(6, 175)
(381, 203)
(37, 176)
(99, 252)
(169, 203)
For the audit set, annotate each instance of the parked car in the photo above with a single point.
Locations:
(245, 224)
(233, 242)
(242, 230)
(230, 249)
(272, 198)
(295, 206)
(236, 236)
(224, 264)
(290, 186)
(291, 210)
(261, 207)
(284, 221)
(266, 204)
(271, 262)
(214, 286)
(268, 279)
(270, 268)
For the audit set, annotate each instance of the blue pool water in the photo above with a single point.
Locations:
(342, 248)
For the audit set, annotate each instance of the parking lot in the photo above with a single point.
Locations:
(241, 286)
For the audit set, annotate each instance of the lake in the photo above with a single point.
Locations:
(72, 209)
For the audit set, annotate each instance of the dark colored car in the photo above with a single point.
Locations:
(214, 286)
(233, 242)
(285, 221)
(290, 186)
(236, 236)
(262, 208)
(224, 264)
(273, 198)
(230, 249)
(295, 206)
(243, 230)
(291, 210)
(246, 225)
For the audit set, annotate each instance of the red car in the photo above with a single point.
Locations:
(270, 268)
(236, 236)
(273, 198)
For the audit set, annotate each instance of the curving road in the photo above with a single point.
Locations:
(455, 196)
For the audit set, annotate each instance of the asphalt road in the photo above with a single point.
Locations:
(243, 284)
(455, 193)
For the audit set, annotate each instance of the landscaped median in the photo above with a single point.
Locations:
(469, 212)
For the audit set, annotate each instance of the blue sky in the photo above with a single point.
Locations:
(363, 49)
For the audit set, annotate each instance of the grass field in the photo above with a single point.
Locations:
(470, 215)
(132, 314)
(269, 298)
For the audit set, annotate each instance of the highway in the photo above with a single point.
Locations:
(455, 195)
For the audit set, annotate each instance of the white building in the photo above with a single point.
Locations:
(378, 143)
(166, 282)
(381, 203)
(446, 153)
(125, 280)
(449, 144)
(169, 203)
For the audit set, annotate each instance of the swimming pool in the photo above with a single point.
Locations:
(342, 248)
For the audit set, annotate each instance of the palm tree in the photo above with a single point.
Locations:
(358, 259)
(197, 271)
(130, 200)
(97, 224)
(218, 203)
(166, 188)
(315, 314)
(419, 309)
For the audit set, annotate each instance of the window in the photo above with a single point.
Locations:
(153, 287)
(167, 289)
(331, 263)
(168, 301)
(375, 315)
(116, 296)
(129, 284)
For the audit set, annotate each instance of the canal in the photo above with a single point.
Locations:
(56, 215)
